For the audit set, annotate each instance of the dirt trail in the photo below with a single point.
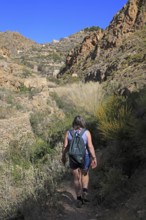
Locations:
(65, 206)
(69, 210)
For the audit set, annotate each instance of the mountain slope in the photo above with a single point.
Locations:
(102, 54)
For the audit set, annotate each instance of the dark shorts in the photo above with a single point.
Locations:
(74, 165)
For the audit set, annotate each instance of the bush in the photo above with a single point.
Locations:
(112, 184)
(116, 124)
(93, 28)
(113, 116)
(24, 89)
(40, 124)
(137, 132)
(39, 150)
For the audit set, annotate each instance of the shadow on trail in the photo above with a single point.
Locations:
(57, 204)
(67, 197)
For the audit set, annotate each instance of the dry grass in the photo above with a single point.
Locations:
(23, 184)
(112, 116)
(86, 96)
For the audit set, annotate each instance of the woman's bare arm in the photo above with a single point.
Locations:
(91, 149)
(65, 148)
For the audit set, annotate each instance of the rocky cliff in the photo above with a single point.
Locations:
(105, 54)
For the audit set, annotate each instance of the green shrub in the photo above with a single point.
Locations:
(17, 156)
(39, 150)
(134, 58)
(9, 99)
(26, 73)
(93, 28)
(139, 122)
(38, 123)
(115, 124)
(63, 103)
(50, 129)
(112, 116)
(24, 89)
(113, 181)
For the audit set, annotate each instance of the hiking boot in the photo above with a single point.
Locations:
(85, 197)
(79, 203)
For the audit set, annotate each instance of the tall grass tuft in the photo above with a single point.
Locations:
(85, 96)
(113, 115)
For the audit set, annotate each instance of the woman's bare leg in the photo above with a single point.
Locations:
(85, 184)
(77, 181)
(85, 179)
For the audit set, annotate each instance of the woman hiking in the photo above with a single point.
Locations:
(80, 172)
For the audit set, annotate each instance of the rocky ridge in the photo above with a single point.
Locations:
(12, 43)
(102, 54)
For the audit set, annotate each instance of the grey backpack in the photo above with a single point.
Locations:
(77, 147)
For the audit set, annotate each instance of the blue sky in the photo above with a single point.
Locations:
(46, 20)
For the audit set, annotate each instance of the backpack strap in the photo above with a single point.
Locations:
(72, 133)
(82, 131)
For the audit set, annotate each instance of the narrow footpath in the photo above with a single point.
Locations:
(68, 203)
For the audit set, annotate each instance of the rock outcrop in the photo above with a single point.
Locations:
(100, 45)
(131, 18)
